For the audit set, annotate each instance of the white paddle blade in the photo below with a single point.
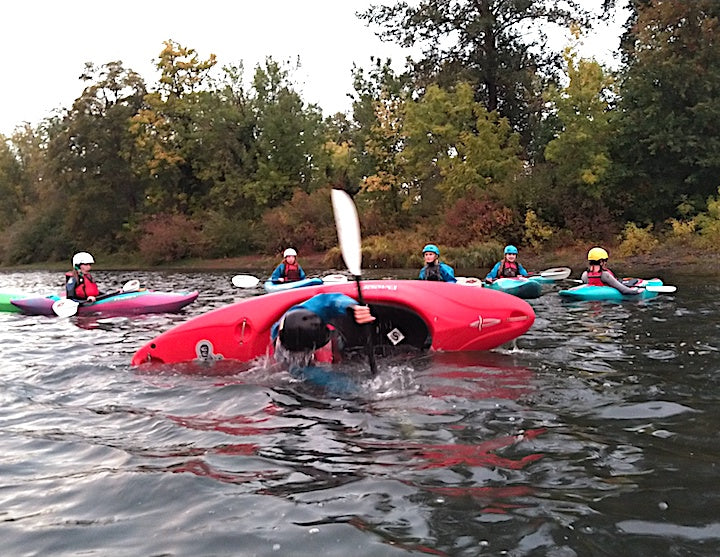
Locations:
(348, 229)
(245, 281)
(65, 307)
(556, 273)
(664, 288)
(334, 279)
(131, 286)
(469, 281)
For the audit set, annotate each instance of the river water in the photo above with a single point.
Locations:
(595, 433)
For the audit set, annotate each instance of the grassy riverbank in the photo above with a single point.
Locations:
(672, 257)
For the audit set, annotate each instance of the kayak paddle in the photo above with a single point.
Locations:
(469, 281)
(245, 281)
(65, 307)
(348, 229)
(249, 281)
(556, 273)
(334, 279)
(664, 288)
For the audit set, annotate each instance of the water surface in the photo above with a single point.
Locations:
(593, 434)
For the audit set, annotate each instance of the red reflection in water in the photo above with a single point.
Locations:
(444, 456)
(203, 469)
(476, 376)
(240, 425)
(232, 425)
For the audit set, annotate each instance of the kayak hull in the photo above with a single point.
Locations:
(600, 293)
(271, 286)
(454, 317)
(122, 303)
(520, 287)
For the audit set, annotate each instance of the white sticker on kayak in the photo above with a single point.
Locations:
(204, 351)
(395, 336)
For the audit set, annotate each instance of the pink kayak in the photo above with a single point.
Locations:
(121, 303)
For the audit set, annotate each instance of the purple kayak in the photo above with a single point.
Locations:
(121, 303)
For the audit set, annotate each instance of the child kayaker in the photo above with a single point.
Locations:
(79, 283)
(434, 269)
(289, 270)
(508, 267)
(598, 274)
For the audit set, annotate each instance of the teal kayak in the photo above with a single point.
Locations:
(271, 286)
(587, 292)
(521, 287)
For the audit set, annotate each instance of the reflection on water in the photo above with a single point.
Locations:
(593, 434)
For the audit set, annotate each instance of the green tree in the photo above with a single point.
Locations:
(289, 139)
(11, 184)
(379, 84)
(498, 47)
(165, 129)
(386, 190)
(668, 146)
(580, 151)
(36, 232)
(89, 158)
(457, 147)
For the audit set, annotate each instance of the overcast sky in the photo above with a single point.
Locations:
(45, 44)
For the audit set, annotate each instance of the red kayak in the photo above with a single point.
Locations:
(422, 314)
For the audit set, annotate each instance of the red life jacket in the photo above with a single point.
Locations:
(594, 278)
(508, 269)
(85, 286)
(291, 272)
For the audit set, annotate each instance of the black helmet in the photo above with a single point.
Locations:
(302, 330)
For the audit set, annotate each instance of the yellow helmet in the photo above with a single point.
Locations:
(597, 254)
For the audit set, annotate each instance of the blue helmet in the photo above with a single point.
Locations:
(432, 248)
(511, 249)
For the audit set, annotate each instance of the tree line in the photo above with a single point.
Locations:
(489, 137)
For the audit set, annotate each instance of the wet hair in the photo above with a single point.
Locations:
(303, 330)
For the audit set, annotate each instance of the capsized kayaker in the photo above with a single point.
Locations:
(434, 269)
(508, 267)
(289, 270)
(314, 331)
(79, 283)
(598, 273)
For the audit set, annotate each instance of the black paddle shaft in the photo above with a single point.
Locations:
(369, 342)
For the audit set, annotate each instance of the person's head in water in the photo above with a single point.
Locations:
(302, 330)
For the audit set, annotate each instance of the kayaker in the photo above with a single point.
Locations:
(434, 269)
(79, 283)
(311, 325)
(598, 273)
(508, 267)
(289, 270)
(316, 331)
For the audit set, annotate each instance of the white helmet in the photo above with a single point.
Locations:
(82, 257)
(289, 251)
